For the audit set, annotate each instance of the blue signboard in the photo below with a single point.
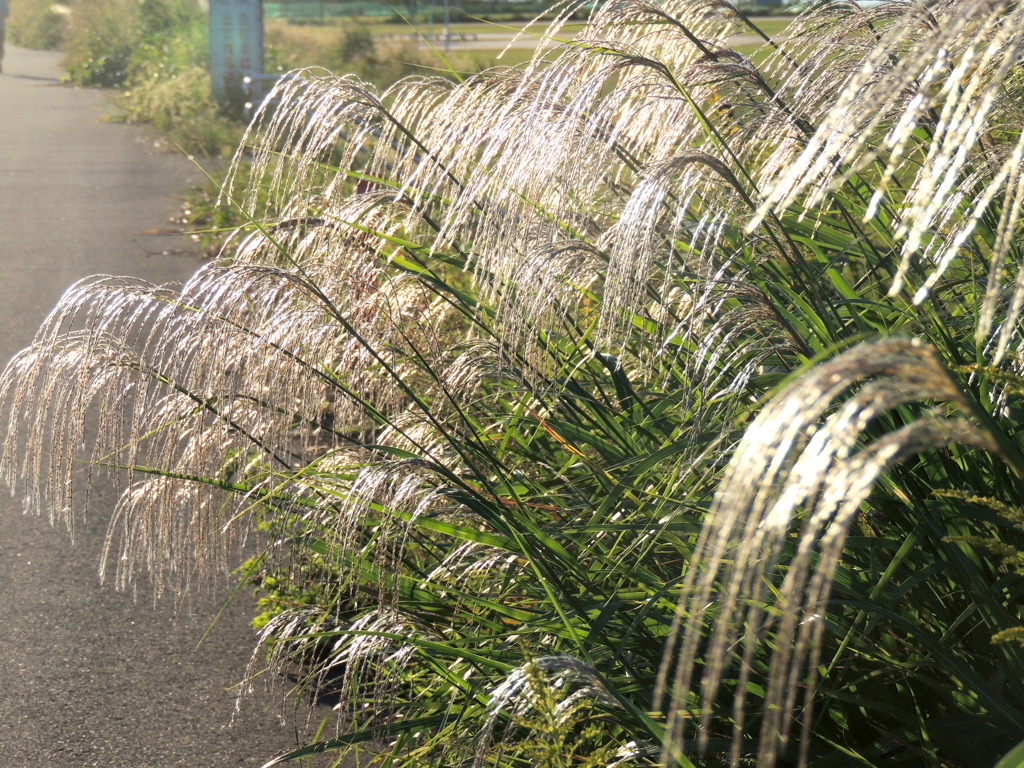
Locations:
(236, 47)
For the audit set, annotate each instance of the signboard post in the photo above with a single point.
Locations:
(236, 48)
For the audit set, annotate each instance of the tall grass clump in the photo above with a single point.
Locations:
(637, 406)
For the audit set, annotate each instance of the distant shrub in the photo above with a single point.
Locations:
(355, 50)
(40, 26)
(180, 107)
(99, 42)
(111, 42)
(360, 53)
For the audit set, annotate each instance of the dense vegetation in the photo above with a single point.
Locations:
(156, 52)
(637, 406)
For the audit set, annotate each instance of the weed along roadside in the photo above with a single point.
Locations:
(647, 404)
(92, 675)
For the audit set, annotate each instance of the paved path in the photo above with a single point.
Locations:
(90, 676)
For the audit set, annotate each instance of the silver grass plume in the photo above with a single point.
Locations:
(576, 173)
(183, 380)
(585, 170)
(806, 460)
(948, 69)
(362, 664)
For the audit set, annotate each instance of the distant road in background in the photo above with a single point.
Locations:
(91, 676)
(487, 39)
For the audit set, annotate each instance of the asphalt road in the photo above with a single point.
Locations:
(90, 676)
(485, 39)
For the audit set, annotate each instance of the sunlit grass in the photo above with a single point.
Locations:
(650, 405)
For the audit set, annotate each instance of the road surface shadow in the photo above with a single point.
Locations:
(54, 80)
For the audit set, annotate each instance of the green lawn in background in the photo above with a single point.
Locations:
(463, 28)
(322, 36)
